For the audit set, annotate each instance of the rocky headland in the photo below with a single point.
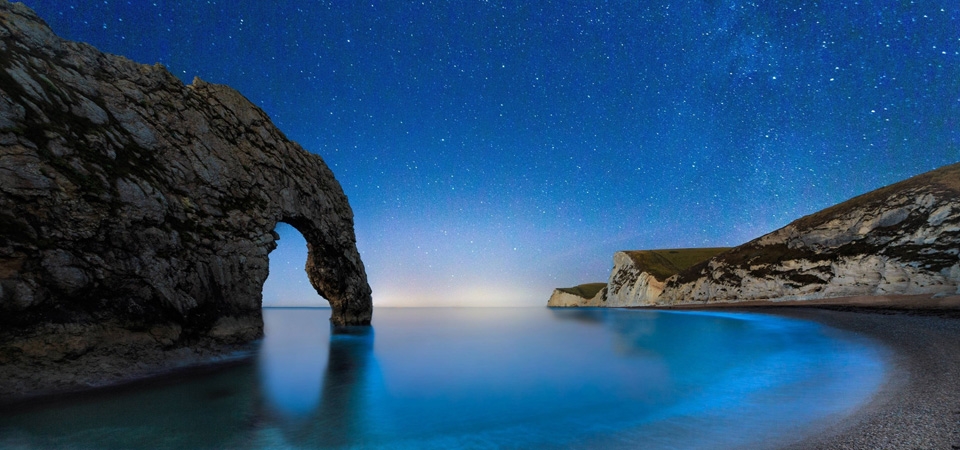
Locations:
(590, 294)
(637, 278)
(903, 239)
(137, 214)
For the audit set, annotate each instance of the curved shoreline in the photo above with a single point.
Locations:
(918, 406)
(920, 411)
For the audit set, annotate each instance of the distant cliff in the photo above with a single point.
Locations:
(137, 212)
(637, 278)
(590, 294)
(903, 239)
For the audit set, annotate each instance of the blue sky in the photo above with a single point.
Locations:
(494, 150)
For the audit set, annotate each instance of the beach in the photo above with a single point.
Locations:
(918, 407)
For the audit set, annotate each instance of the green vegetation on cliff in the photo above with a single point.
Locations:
(663, 264)
(944, 182)
(588, 290)
(845, 222)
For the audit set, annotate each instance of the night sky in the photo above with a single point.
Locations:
(495, 150)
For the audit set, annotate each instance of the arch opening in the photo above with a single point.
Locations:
(287, 283)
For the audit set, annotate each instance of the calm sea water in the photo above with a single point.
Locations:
(491, 378)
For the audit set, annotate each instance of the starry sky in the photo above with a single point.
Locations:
(494, 150)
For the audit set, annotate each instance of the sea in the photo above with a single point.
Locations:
(444, 378)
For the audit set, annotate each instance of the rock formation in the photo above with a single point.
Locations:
(903, 239)
(637, 278)
(137, 211)
(591, 294)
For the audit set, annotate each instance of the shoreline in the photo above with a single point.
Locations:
(918, 406)
(924, 304)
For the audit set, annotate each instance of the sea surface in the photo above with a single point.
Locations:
(490, 378)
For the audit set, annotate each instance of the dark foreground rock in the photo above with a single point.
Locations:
(137, 213)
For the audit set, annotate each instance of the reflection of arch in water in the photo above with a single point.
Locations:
(340, 416)
(292, 360)
(324, 407)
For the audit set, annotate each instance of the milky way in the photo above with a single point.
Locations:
(494, 150)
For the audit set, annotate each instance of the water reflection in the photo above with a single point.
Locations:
(525, 377)
(292, 359)
(201, 412)
(343, 402)
(316, 380)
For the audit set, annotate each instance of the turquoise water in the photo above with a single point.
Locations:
(491, 378)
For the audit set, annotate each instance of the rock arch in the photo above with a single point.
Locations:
(132, 204)
(350, 301)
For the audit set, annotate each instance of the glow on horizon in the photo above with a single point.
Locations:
(288, 285)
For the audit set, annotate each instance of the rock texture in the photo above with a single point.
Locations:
(639, 276)
(629, 284)
(637, 279)
(138, 212)
(903, 239)
(567, 297)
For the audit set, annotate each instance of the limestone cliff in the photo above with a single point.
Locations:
(586, 295)
(637, 278)
(901, 239)
(137, 211)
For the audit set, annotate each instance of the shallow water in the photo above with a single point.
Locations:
(491, 378)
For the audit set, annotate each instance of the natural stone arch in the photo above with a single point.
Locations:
(134, 205)
(326, 265)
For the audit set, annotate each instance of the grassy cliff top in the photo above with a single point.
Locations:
(665, 263)
(944, 181)
(588, 290)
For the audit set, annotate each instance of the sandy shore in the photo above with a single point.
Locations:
(918, 406)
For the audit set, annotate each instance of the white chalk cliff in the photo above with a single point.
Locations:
(630, 285)
(637, 279)
(562, 298)
(903, 239)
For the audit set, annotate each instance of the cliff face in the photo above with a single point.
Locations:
(572, 297)
(135, 208)
(630, 285)
(901, 239)
(639, 276)
(637, 279)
